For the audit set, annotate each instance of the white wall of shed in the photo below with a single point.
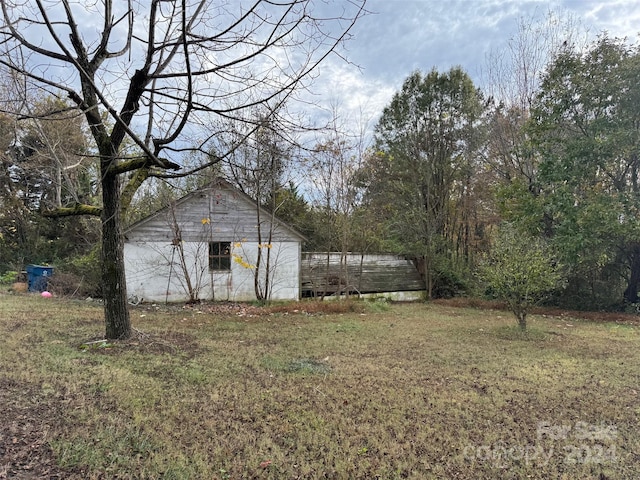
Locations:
(154, 273)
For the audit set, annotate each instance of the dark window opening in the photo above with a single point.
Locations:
(220, 256)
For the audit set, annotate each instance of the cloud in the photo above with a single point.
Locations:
(401, 36)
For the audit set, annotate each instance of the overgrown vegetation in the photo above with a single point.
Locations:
(239, 391)
(8, 277)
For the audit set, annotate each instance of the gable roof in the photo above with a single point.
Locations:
(234, 214)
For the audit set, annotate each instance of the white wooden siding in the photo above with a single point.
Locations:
(154, 273)
(218, 213)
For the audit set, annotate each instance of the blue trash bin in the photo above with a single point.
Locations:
(38, 277)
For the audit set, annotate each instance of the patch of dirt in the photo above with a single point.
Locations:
(26, 421)
(233, 309)
(169, 342)
(614, 317)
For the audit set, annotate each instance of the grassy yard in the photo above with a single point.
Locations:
(364, 390)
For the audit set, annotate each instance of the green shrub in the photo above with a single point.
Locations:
(448, 284)
(520, 270)
(8, 277)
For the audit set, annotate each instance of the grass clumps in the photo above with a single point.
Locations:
(308, 365)
(416, 391)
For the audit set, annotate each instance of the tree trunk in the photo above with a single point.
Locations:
(520, 311)
(260, 294)
(631, 293)
(423, 266)
(522, 320)
(116, 311)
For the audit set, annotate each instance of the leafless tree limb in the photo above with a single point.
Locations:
(158, 74)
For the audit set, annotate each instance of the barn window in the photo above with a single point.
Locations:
(220, 256)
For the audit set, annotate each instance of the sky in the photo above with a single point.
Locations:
(401, 36)
(395, 38)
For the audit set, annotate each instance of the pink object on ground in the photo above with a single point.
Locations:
(46, 294)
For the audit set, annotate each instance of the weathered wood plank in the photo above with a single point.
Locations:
(323, 273)
(215, 213)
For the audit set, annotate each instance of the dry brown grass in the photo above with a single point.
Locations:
(19, 287)
(296, 391)
(477, 303)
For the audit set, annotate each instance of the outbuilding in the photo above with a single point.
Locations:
(212, 244)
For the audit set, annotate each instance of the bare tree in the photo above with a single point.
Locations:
(52, 149)
(157, 73)
(512, 76)
(336, 159)
(259, 169)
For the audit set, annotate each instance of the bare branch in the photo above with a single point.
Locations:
(13, 33)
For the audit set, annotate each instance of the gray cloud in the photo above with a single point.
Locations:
(400, 36)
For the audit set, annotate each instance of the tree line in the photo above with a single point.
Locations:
(546, 156)
(455, 176)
